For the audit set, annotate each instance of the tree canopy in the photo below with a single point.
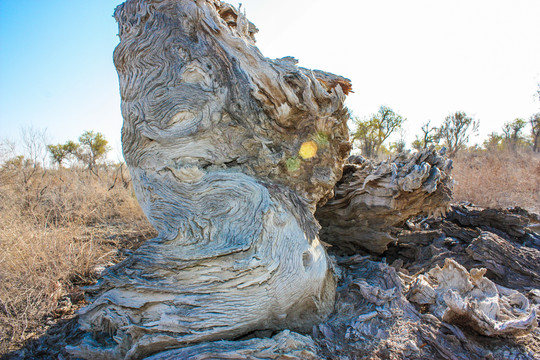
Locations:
(512, 132)
(93, 147)
(60, 152)
(456, 131)
(372, 133)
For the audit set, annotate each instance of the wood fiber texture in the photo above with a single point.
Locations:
(235, 160)
(229, 152)
(372, 199)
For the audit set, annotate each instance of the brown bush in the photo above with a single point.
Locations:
(498, 178)
(56, 226)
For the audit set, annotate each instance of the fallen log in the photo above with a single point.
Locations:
(470, 235)
(373, 199)
(513, 264)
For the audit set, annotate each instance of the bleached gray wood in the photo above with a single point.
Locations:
(285, 345)
(229, 153)
(372, 199)
(456, 296)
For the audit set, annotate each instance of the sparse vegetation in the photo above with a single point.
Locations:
(429, 137)
(57, 226)
(92, 148)
(498, 178)
(371, 134)
(504, 172)
(535, 131)
(61, 152)
(456, 130)
(513, 133)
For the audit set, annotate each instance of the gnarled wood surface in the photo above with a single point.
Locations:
(230, 154)
(373, 198)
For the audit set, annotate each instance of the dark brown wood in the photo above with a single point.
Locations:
(514, 265)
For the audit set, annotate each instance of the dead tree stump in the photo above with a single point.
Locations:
(231, 155)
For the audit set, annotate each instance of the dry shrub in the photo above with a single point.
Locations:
(498, 178)
(56, 226)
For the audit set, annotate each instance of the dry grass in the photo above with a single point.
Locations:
(498, 179)
(56, 226)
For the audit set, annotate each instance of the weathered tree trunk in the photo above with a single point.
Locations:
(230, 155)
(372, 199)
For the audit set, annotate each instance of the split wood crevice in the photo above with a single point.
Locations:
(235, 160)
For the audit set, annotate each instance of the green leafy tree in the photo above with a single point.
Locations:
(372, 133)
(493, 142)
(57, 153)
(512, 132)
(456, 130)
(60, 152)
(93, 147)
(365, 136)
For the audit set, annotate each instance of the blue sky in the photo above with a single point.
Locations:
(56, 68)
(423, 58)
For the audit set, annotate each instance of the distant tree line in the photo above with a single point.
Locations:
(369, 135)
(91, 148)
(454, 133)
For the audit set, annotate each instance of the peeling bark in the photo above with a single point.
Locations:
(372, 199)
